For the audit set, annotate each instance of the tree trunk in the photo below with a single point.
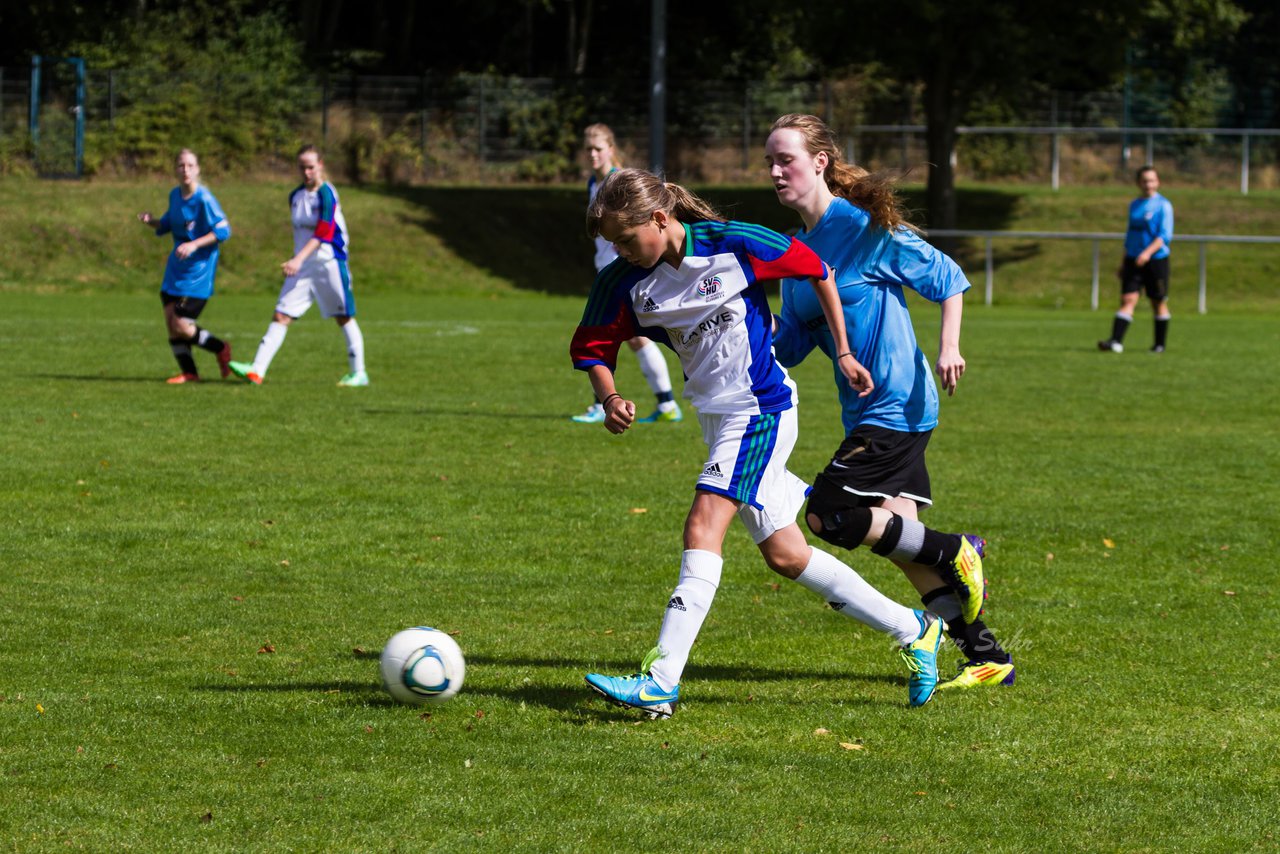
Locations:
(942, 108)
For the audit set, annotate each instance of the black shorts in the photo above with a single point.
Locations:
(1152, 277)
(874, 464)
(188, 307)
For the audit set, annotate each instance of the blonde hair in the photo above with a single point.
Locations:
(634, 195)
(873, 192)
(194, 156)
(603, 130)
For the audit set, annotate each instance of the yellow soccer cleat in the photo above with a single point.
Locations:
(965, 576)
(974, 674)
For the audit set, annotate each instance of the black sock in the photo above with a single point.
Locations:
(1119, 327)
(665, 397)
(1162, 330)
(203, 338)
(181, 348)
(976, 641)
(924, 546)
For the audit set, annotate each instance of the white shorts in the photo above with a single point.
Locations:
(325, 282)
(747, 461)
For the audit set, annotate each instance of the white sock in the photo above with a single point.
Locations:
(654, 368)
(269, 346)
(850, 595)
(355, 345)
(687, 608)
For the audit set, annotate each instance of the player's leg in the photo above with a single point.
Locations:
(654, 367)
(1130, 286)
(333, 292)
(295, 298)
(181, 330)
(1158, 293)
(190, 309)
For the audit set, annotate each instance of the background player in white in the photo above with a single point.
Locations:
(198, 225)
(1146, 262)
(317, 272)
(602, 150)
(855, 222)
(693, 282)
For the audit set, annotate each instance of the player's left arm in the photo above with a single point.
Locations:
(950, 366)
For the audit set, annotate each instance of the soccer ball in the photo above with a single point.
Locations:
(422, 665)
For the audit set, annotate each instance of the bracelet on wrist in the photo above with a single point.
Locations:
(608, 398)
(842, 355)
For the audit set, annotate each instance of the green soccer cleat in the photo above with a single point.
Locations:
(964, 574)
(974, 674)
(355, 379)
(244, 370)
(672, 416)
(921, 658)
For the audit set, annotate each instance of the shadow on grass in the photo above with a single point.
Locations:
(535, 237)
(100, 378)
(473, 413)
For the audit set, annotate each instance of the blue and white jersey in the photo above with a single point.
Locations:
(187, 220)
(1149, 218)
(317, 213)
(872, 266)
(604, 249)
(712, 312)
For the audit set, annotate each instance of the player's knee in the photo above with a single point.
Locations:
(837, 522)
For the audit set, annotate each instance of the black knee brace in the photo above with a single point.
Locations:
(843, 524)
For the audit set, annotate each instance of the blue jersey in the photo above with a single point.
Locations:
(186, 220)
(872, 266)
(712, 312)
(1149, 218)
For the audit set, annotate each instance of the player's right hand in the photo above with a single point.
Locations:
(145, 218)
(619, 414)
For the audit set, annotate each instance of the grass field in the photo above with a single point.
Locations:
(197, 581)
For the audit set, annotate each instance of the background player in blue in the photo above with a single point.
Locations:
(854, 222)
(602, 151)
(198, 225)
(691, 281)
(1146, 262)
(317, 272)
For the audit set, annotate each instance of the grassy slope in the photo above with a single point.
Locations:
(81, 236)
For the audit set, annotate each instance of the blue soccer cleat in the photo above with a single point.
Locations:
(921, 658)
(637, 691)
(593, 415)
(661, 416)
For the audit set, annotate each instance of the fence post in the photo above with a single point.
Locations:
(746, 125)
(324, 110)
(1244, 164)
(111, 99)
(1151, 150)
(1093, 290)
(481, 143)
(1202, 305)
(991, 271)
(1056, 161)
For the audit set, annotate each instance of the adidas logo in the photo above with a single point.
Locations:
(677, 604)
(837, 606)
(649, 304)
(712, 470)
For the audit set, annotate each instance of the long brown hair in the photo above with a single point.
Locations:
(872, 191)
(633, 195)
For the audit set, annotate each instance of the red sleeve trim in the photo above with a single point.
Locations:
(799, 261)
(324, 231)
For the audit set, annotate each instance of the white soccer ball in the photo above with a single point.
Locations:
(422, 665)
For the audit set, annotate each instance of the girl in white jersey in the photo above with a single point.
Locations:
(854, 221)
(317, 272)
(602, 150)
(693, 282)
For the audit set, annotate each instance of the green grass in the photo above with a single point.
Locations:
(159, 538)
(63, 237)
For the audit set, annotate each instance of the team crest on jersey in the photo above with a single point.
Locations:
(191, 226)
(709, 287)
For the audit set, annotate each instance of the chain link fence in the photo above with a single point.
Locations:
(488, 129)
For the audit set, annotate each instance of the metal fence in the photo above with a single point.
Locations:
(1097, 237)
(487, 128)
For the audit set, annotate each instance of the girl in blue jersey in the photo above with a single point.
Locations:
(854, 222)
(196, 221)
(1146, 262)
(603, 153)
(317, 272)
(693, 282)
